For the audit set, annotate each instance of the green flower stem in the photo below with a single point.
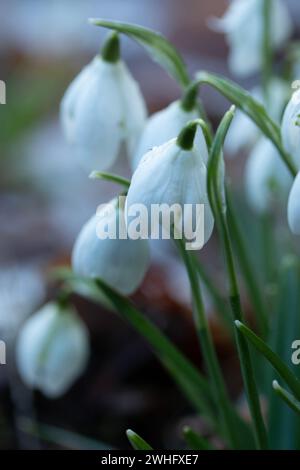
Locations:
(218, 300)
(287, 397)
(266, 48)
(247, 270)
(207, 347)
(216, 200)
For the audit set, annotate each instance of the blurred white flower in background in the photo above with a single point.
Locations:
(267, 179)
(121, 263)
(243, 133)
(52, 349)
(165, 125)
(243, 25)
(102, 108)
(294, 207)
(21, 291)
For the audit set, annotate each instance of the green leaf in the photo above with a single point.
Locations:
(158, 47)
(277, 363)
(137, 442)
(60, 436)
(244, 101)
(287, 397)
(100, 175)
(195, 441)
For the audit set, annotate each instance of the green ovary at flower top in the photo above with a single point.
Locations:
(103, 107)
(243, 25)
(52, 349)
(120, 262)
(174, 173)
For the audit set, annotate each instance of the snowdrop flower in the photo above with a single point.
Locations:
(173, 173)
(52, 349)
(290, 129)
(243, 133)
(103, 107)
(165, 125)
(120, 262)
(243, 26)
(267, 178)
(294, 207)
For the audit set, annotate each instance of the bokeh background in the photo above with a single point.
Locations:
(45, 198)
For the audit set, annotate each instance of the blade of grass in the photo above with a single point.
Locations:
(137, 442)
(195, 441)
(287, 397)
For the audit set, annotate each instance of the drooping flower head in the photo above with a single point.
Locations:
(290, 129)
(104, 250)
(243, 26)
(294, 207)
(52, 349)
(174, 174)
(103, 107)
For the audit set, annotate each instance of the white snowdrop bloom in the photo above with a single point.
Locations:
(21, 291)
(243, 133)
(120, 262)
(52, 349)
(170, 174)
(294, 207)
(267, 178)
(102, 108)
(290, 128)
(243, 25)
(165, 125)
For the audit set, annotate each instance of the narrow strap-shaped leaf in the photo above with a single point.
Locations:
(62, 437)
(137, 442)
(215, 185)
(244, 101)
(159, 48)
(286, 396)
(195, 441)
(283, 370)
(100, 175)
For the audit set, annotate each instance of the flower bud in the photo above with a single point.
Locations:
(294, 206)
(115, 258)
(165, 125)
(103, 107)
(169, 176)
(290, 129)
(243, 26)
(52, 349)
(267, 179)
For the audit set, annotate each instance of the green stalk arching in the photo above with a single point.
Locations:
(219, 211)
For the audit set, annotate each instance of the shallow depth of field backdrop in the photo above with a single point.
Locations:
(45, 198)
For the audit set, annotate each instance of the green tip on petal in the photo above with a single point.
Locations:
(185, 140)
(111, 49)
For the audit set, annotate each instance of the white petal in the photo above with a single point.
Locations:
(99, 120)
(165, 125)
(294, 207)
(134, 108)
(120, 263)
(290, 131)
(68, 103)
(169, 175)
